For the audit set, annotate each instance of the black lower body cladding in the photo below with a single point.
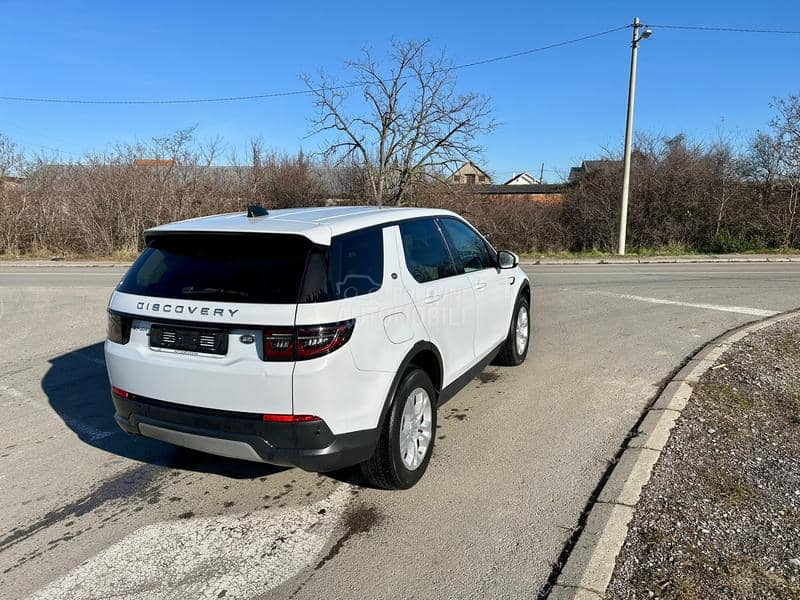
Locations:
(308, 445)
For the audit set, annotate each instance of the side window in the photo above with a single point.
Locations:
(468, 246)
(427, 257)
(356, 263)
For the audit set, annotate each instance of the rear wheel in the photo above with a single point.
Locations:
(515, 348)
(406, 442)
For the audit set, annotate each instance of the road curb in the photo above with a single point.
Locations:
(20, 264)
(590, 565)
(661, 260)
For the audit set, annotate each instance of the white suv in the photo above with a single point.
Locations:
(319, 338)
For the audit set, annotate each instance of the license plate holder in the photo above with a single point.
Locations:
(186, 339)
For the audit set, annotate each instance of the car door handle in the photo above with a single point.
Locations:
(431, 298)
(479, 285)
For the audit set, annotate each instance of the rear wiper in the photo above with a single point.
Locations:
(210, 291)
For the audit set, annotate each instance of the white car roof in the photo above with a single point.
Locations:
(317, 224)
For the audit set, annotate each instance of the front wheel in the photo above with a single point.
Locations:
(515, 348)
(406, 443)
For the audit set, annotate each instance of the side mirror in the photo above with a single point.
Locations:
(507, 259)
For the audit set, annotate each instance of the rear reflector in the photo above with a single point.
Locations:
(274, 418)
(118, 392)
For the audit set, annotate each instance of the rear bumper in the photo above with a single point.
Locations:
(309, 445)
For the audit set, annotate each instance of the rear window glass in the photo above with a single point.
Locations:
(259, 268)
(352, 266)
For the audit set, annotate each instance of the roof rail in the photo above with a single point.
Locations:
(256, 210)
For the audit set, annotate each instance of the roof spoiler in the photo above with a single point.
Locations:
(256, 210)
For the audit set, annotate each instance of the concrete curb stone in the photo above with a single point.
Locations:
(37, 264)
(675, 396)
(591, 562)
(653, 433)
(626, 481)
(645, 260)
(561, 592)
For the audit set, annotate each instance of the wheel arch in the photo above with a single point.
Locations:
(525, 291)
(423, 355)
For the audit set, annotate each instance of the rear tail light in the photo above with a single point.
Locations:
(119, 392)
(322, 339)
(118, 328)
(279, 343)
(305, 341)
(281, 418)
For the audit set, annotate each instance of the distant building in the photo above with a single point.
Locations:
(540, 193)
(523, 179)
(470, 174)
(590, 166)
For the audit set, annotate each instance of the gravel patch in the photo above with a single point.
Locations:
(720, 517)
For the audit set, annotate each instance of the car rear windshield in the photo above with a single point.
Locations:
(259, 268)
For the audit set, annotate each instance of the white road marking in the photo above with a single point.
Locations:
(242, 555)
(743, 310)
(9, 391)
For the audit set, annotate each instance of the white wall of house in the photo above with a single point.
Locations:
(522, 179)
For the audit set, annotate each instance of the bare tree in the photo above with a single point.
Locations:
(411, 125)
(726, 169)
(787, 136)
(10, 156)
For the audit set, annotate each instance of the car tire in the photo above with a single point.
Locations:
(515, 348)
(406, 441)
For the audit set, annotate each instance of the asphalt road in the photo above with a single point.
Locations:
(89, 511)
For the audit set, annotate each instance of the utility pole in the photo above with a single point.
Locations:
(541, 174)
(626, 172)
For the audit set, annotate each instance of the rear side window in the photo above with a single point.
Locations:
(258, 268)
(355, 266)
(427, 257)
(468, 246)
(352, 266)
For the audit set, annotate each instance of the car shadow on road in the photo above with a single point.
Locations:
(76, 385)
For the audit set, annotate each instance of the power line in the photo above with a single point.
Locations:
(267, 95)
(307, 91)
(727, 29)
(540, 49)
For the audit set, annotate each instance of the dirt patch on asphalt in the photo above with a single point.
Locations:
(720, 517)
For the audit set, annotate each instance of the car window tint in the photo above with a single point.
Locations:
(468, 246)
(351, 266)
(356, 263)
(257, 268)
(427, 257)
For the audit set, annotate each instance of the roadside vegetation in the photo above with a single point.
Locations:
(393, 139)
(720, 517)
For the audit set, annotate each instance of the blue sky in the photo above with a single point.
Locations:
(556, 107)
